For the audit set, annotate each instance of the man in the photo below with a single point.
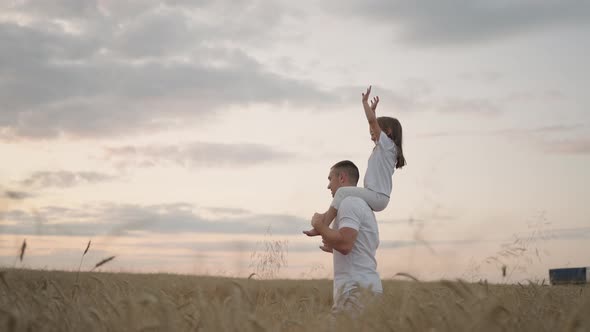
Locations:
(353, 240)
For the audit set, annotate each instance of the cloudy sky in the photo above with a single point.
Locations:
(183, 136)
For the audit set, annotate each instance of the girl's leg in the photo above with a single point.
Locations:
(377, 202)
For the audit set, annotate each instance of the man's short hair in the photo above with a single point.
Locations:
(349, 168)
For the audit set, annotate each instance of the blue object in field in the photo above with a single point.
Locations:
(572, 275)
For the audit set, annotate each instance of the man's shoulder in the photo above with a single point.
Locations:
(355, 208)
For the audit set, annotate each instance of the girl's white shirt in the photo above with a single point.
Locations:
(381, 166)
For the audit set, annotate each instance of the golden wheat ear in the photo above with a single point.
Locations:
(87, 247)
(82, 259)
(102, 262)
(22, 249)
(21, 255)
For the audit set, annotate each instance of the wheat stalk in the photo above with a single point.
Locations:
(23, 248)
(3, 278)
(102, 262)
(82, 259)
(407, 275)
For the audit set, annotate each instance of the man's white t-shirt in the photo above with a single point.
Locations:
(359, 267)
(381, 166)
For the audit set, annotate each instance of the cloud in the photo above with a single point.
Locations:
(111, 219)
(512, 132)
(568, 146)
(250, 18)
(196, 154)
(413, 96)
(543, 130)
(459, 22)
(569, 233)
(59, 9)
(99, 69)
(64, 179)
(542, 97)
(17, 195)
(418, 96)
(543, 138)
(470, 105)
(395, 244)
(550, 139)
(231, 246)
(226, 210)
(486, 77)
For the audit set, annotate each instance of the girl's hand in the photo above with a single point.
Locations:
(311, 232)
(317, 221)
(366, 95)
(374, 103)
(374, 129)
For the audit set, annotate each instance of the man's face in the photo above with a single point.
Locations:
(334, 181)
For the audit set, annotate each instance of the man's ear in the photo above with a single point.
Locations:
(342, 177)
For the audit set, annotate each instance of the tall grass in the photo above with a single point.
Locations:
(33, 300)
(269, 257)
(37, 300)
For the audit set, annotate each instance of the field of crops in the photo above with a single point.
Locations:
(34, 300)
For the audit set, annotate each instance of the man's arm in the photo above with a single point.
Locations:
(341, 240)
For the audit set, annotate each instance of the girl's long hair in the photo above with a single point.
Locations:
(387, 123)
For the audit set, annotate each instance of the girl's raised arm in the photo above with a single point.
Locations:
(374, 128)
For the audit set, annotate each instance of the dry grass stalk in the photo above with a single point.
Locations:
(80, 266)
(21, 254)
(121, 301)
(102, 262)
(407, 275)
(87, 247)
(3, 278)
(268, 262)
(22, 250)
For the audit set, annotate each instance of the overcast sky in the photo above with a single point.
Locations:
(180, 135)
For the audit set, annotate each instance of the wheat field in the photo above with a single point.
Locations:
(38, 300)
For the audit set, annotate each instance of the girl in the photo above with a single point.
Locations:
(387, 155)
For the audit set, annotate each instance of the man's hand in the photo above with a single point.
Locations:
(326, 247)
